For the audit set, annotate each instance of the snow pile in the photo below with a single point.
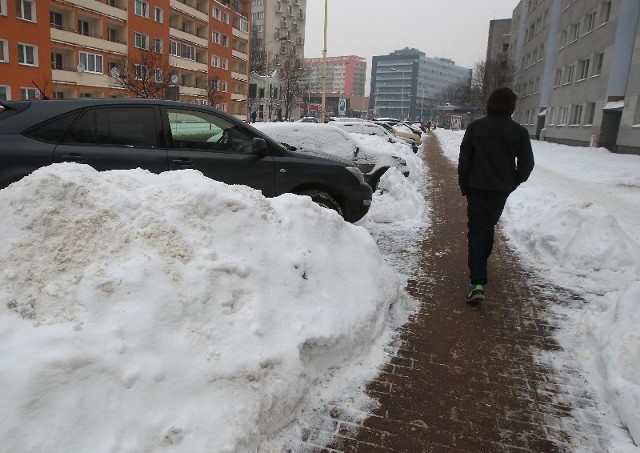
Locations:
(576, 220)
(144, 312)
(396, 201)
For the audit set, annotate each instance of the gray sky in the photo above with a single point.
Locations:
(454, 29)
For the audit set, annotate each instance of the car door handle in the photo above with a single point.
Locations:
(77, 158)
(283, 170)
(183, 163)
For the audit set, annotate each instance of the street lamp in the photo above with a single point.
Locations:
(324, 68)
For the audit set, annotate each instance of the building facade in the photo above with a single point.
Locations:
(344, 74)
(407, 84)
(71, 48)
(278, 28)
(577, 71)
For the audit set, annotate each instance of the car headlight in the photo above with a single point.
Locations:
(357, 173)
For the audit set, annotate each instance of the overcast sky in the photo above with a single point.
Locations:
(454, 29)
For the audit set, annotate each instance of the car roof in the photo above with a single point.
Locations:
(47, 109)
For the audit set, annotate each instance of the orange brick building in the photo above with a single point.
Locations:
(68, 48)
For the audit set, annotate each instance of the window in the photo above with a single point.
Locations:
(141, 40)
(558, 78)
(91, 62)
(27, 54)
(568, 74)
(215, 61)
(157, 45)
(188, 52)
(26, 9)
(225, 64)
(636, 116)
(112, 34)
(225, 41)
(215, 37)
(157, 14)
(590, 113)
(215, 13)
(5, 93)
(598, 60)
(83, 27)
(563, 39)
(125, 126)
(225, 18)
(158, 75)
(244, 25)
(574, 31)
(4, 50)
(56, 20)
(551, 116)
(583, 69)
(141, 8)
(141, 72)
(3, 7)
(589, 22)
(191, 129)
(57, 60)
(225, 86)
(174, 48)
(564, 114)
(576, 115)
(605, 12)
(53, 131)
(28, 94)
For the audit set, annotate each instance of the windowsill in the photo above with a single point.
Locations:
(587, 125)
(35, 65)
(637, 126)
(595, 75)
(27, 20)
(580, 80)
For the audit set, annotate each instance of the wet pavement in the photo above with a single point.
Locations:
(465, 378)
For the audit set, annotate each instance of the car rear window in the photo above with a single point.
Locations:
(125, 126)
(52, 131)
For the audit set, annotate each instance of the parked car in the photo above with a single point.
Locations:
(160, 135)
(369, 128)
(399, 133)
(309, 138)
(308, 119)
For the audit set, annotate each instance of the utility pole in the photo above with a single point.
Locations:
(324, 68)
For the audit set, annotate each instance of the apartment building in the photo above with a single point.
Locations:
(278, 28)
(345, 74)
(578, 65)
(71, 48)
(406, 84)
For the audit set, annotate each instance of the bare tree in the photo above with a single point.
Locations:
(293, 76)
(144, 74)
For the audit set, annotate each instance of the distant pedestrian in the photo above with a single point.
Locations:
(428, 125)
(495, 158)
(254, 115)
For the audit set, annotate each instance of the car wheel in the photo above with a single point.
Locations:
(323, 199)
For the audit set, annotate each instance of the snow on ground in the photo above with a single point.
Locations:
(143, 312)
(576, 222)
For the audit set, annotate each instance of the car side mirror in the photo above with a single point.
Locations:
(259, 146)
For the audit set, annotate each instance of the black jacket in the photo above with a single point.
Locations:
(495, 157)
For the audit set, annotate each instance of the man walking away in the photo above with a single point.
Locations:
(495, 158)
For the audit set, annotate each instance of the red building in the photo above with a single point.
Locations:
(69, 48)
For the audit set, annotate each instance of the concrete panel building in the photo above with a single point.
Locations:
(406, 84)
(345, 74)
(69, 47)
(577, 71)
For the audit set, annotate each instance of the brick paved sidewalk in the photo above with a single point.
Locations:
(464, 378)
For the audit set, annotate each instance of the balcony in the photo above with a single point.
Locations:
(188, 65)
(115, 9)
(73, 77)
(70, 37)
(189, 11)
(179, 34)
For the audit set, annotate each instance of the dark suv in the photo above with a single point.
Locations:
(159, 135)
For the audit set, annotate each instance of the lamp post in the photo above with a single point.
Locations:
(324, 68)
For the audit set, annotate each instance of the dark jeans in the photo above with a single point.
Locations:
(482, 216)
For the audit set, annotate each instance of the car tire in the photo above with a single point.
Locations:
(323, 199)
